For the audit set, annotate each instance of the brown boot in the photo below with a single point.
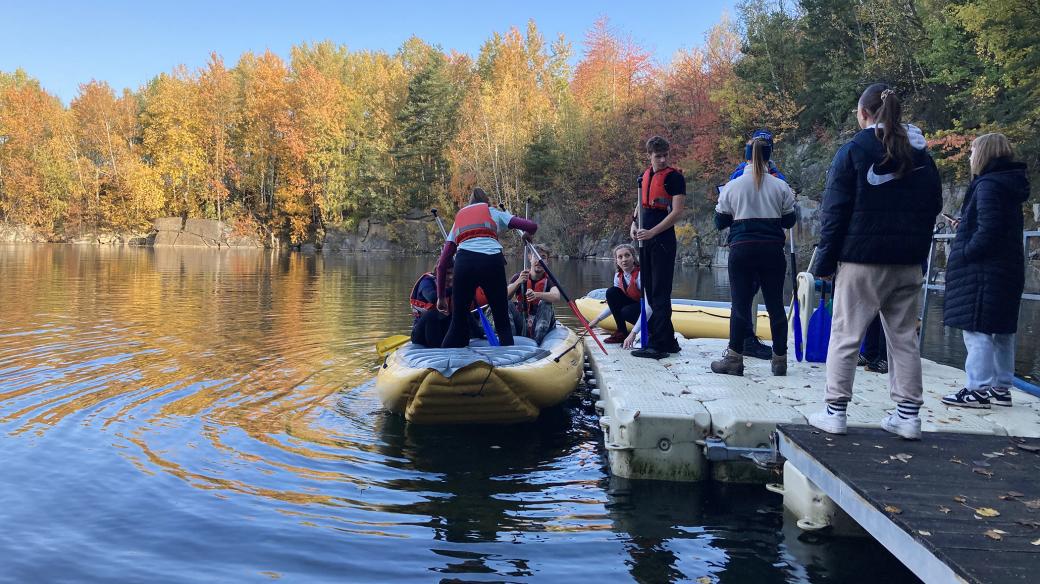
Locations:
(779, 364)
(732, 363)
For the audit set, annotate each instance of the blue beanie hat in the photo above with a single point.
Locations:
(762, 134)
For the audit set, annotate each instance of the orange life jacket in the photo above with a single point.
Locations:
(632, 288)
(475, 221)
(419, 306)
(653, 194)
(537, 286)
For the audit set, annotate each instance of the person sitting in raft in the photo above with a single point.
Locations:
(537, 305)
(753, 347)
(478, 262)
(623, 297)
(431, 326)
(423, 297)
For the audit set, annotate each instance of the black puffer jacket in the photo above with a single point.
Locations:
(985, 274)
(871, 217)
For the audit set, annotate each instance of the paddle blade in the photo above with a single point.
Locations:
(819, 335)
(489, 332)
(585, 323)
(797, 331)
(391, 344)
(644, 336)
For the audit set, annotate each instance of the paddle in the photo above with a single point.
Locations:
(566, 298)
(489, 331)
(794, 303)
(819, 330)
(439, 224)
(644, 335)
(390, 344)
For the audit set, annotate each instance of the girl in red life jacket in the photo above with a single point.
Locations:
(623, 297)
(479, 262)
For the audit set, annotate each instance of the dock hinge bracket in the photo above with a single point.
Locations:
(716, 450)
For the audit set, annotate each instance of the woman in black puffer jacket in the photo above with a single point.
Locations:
(985, 274)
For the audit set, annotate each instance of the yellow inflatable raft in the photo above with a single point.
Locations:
(480, 383)
(691, 318)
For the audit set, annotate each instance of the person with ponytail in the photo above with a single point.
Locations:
(756, 207)
(623, 297)
(882, 197)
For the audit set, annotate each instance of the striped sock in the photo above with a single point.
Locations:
(837, 408)
(908, 410)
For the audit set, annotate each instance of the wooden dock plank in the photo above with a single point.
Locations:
(956, 481)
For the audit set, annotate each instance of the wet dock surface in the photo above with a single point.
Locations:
(952, 507)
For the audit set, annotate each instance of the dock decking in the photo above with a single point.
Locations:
(952, 507)
(654, 412)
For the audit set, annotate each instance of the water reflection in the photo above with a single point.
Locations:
(208, 416)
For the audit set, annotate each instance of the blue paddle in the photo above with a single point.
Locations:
(794, 303)
(819, 330)
(489, 331)
(644, 335)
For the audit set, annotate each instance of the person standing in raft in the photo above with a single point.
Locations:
(753, 347)
(756, 207)
(478, 262)
(623, 297)
(541, 293)
(882, 196)
(985, 275)
(662, 194)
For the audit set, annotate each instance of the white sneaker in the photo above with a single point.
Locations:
(830, 423)
(909, 428)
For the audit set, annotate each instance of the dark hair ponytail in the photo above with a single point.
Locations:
(879, 101)
(479, 196)
(759, 158)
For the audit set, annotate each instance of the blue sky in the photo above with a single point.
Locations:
(64, 44)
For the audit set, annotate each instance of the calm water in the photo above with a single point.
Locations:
(196, 416)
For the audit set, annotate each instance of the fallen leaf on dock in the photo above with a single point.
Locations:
(944, 509)
(961, 499)
(987, 512)
(981, 463)
(1035, 542)
(893, 509)
(704, 580)
(901, 457)
(878, 446)
(1029, 447)
(923, 532)
(983, 472)
(1011, 495)
(992, 454)
(1029, 523)
(956, 460)
(995, 534)
(1034, 504)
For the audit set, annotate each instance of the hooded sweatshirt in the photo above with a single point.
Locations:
(870, 214)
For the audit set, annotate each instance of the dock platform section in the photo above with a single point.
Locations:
(952, 507)
(653, 413)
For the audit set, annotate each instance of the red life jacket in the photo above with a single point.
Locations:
(419, 306)
(653, 194)
(539, 286)
(475, 221)
(632, 288)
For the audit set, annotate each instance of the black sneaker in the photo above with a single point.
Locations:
(968, 398)
(757, 349)
(862, 361)
(1000, 396)
(675, 348)
(879, 366)
(649, 353)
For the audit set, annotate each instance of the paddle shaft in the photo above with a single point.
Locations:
(439, 224)
(566, 298)
(644, 334)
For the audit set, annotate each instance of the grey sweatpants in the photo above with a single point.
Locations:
(861, 292)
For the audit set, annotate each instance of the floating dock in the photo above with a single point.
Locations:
(660, 417)
(952, 507)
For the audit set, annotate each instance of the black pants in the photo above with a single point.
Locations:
(656, 269)
(763, 263)
(430, 329)
(622, 308)
(873, 347)
(474, 269)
